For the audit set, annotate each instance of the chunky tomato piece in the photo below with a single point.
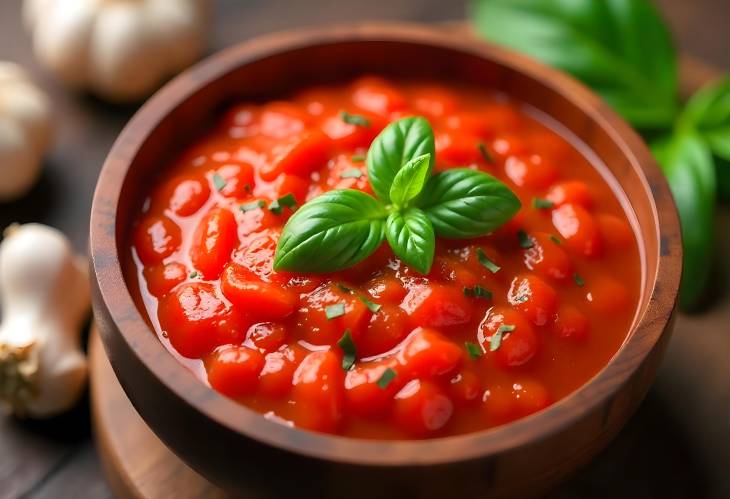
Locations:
(506, 403)
(256, 253)
(507, 145)
(421, 408)
(533, 297)
(162, 278)
(267, 336)
(183, 195)
(282, 119)
(377, 96)
(547, 257)
(571, 192)
(352, 136)
(275, 378)
(607, 295)
(471, 123)
(437, 305)
(578, 228)
(465, 388)
(457, 150)
(190, 317)
(156, 238)
(387, 288)
(517, 342)
(571, 324)
(328, 312)
(386, 329)
(318, 391)
(235, 180)
(363, 395)
(298, 155)
(532, 172)
(345, 173)
(427, 353)
(233, 370)
(434, 101)
(257, 299)
(294, 185)
(615, 233)
(213, 242)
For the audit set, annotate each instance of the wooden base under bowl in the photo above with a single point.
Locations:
(137, 464)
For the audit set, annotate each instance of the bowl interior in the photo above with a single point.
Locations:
(281, 64)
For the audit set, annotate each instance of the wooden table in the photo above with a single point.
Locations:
(678, 445)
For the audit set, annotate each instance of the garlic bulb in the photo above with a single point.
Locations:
(25, 131)
(121, 50)
(44, 290)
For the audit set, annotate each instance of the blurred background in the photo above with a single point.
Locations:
(677, 446)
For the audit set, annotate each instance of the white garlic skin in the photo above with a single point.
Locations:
(25, 131)
(45, 294)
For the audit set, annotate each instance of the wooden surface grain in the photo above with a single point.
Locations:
(678, 445)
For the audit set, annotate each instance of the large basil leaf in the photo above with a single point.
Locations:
(409, 181)
(687, 163)
(411, 236)
(620, 48)
(708, 113)
(463, 203)
(331, 232)
(397, 144)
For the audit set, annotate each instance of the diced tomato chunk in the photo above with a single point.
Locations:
(294, 185)
(328, 312)
(427, 353)
(547, 257)
(377, 96)
(233, 370)
(533, 297)
(504, 403)
(299, 155)
(318, 391)
(437, 305)
(351, 136)
(532, 172)
(275, 379)
(386, 329)
(282, 119)
(156, 238)
(465, 388)
(615, 233)
(256, 253)
(190, 317)
(183, 195)
(386, 288)
(507, 145)
(518, 343)
(571, 192)
(162, 278)
(434, 101)
(457, 150)
(422, 408)
(578, 228)
(571, 324)
(237, 180)
(363, 395)
(213, 242)
(267, 336)
(608, 296)
(257, 299)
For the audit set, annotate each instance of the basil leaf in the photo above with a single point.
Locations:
(620, 48)
(409, 181)
(463, 203)
(688, 165)
(397, 144)
(411, 236)
(708, 112)
(331, 232)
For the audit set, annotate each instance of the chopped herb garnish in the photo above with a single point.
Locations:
(555, 239)
(485, 153)
(542, 204)
(521, 299)
(193, 274)
(277, 205)
(385, 378)
(219, 182)
(579, 280)
(354, 119)
(484, 260)
(525, 240)
(334, 311)
(372, 306)
(253, 205)
(475, 351)
(496, 340)
(349, 350)
(344, 288)
(351, 173)
(358, 158)
(479, 292)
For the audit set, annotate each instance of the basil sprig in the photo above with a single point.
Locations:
(343, 227)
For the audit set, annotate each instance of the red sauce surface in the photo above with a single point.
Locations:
(263, 337)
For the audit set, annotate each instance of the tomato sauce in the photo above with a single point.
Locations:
(502, 326)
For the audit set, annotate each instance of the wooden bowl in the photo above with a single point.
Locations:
(250, 455)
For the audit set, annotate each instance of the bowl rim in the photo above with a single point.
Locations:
(106, 263)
